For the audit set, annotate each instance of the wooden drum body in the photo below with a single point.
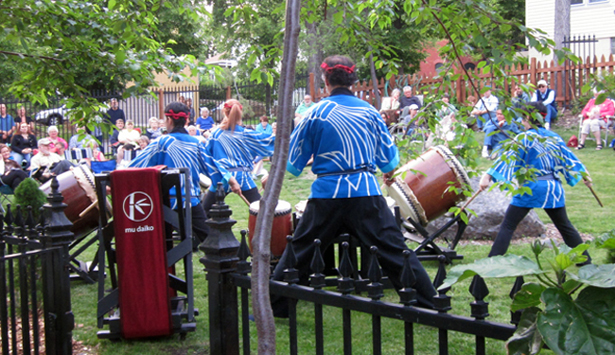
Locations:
(282, 226)
(426, 192)
(77, 187)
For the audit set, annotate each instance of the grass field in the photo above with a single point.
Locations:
(583, 210)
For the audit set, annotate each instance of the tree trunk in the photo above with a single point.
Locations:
(315, 53)
(562, 24)
(372, 67)
(261, 305)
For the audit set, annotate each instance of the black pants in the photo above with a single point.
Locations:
(200, 229)
(514, 215)
(251, 195)
(367, 218)
(14, 178)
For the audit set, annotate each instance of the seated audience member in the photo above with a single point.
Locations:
(7, 125)
(606, 108)
(519, 98)
(593, 124)
(264, 126)
(446, 109)
(547, 97)
(122, 161)
(52, 131)
(113, 140)
(97, 154)
(79, 140)
(11, 173)
(129, 135)
(61, 148)
(409, 120)
(205, 122)
(391, 103)
(194, 132)
(494, 136)
(23, 144)
(302, 108)
(22, 118)
(154, 130)
(46, 164)
(485, 108)
(408, 99)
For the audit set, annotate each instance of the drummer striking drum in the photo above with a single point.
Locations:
(348, 140)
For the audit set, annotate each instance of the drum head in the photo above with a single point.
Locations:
(409, 206)
(282, 208)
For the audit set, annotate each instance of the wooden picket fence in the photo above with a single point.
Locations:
(567, 79)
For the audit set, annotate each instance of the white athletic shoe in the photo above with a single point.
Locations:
(547, 126)
(485, 153)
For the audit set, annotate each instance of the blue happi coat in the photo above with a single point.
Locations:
(176, 150)
(348, 140)
(231, 154)
(549, 157)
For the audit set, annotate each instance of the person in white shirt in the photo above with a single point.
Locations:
(485, 108)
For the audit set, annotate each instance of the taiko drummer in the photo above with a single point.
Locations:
(348, 140)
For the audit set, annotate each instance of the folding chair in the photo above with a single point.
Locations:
(78, 154)
(609, 123)
(5, 191)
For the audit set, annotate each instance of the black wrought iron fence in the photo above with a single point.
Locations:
(228, 268)
(35, 306)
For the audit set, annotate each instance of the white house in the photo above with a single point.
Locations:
(587, 18)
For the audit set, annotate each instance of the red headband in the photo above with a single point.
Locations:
(230, 106)
(329, 69)
(176, 116)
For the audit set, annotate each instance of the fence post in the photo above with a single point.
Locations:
(220, 261)
(161, 104)
(59, 318)
(533, 78)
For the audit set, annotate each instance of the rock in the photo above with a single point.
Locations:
(490, 207)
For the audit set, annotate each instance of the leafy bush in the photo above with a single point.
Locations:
(551, 315)
(28, 194)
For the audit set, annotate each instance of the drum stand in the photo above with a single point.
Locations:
(178, 227)
(428, 249)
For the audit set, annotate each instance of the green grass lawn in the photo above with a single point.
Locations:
(583, 210)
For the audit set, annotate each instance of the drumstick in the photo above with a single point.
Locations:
(93, 205)
(470, 200)
(595, 195)
(244, 198)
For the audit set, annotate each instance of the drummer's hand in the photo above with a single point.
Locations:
(484, 182)
(388, 177)
(235, 187)
(587, 180)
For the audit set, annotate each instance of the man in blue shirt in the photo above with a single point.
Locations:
(348, 140)
(547, 97)
(6, 125)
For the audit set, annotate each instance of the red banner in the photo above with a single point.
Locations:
(145, 309)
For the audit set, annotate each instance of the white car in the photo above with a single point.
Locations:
(52, 116)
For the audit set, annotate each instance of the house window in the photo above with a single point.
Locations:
(586, 2)
(612, 45)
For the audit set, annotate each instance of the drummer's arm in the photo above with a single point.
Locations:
(235, 187)
(485, 180)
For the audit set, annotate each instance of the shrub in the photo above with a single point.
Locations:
(28, 194)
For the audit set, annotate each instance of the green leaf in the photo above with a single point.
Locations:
(526, 339)
(338, 17)
(111, 5)
(582, 327)
(494, 267)
(528, 296)
(602, 276)
(600, 99)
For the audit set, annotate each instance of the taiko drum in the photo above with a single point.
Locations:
(282, 226)
(426, 191)
(78, 189)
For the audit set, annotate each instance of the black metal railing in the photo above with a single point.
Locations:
(228, 268)
(35, 306)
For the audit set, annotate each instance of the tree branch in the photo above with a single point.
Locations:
(31, 56)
